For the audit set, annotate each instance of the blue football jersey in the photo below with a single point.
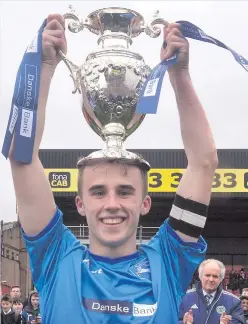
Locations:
(78, 287)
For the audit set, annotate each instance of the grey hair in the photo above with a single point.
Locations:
(220, 264)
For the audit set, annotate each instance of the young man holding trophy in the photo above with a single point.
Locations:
(112, 281)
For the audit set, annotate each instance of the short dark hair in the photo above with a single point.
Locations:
(125, 162)
(6, 298)
(15, 287)
(243, 297)
(17, 301)
(35, 294)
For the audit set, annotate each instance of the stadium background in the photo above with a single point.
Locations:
(227, 227)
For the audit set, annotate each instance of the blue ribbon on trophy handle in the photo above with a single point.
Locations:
(23, 113)
(78, 24)
(149, 98)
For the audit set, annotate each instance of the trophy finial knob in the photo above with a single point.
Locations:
(71, 8)
(156, 14)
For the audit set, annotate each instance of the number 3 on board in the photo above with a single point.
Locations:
(155, 180)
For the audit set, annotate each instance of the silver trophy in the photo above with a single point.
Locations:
(112, 77)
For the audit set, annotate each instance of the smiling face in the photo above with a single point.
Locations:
(244, 304)
(210, 277)
(112, 199)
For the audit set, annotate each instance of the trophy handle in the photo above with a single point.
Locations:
(151, 29)
(75, 26)
(75, 72)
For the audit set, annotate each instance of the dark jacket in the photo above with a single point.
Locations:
(246, 317)
(223, 302)
(23, 318)
(233, 281)
(31, 312)
(25, 302)
(10, 318)
(242, 283)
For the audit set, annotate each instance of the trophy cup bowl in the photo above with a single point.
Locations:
(112, 77)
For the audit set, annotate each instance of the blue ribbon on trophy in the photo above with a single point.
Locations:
(23, 114)
(149, 97)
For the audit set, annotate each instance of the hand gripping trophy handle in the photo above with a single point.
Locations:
(112, 77)
(77, 24)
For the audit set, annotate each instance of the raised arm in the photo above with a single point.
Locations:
(195, 185)
(35, 200)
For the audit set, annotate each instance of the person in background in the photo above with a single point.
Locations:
(33, 309)
(244, 303)
(242, 280)
(234, 281)
(245, 292)
(15, 292)
(7, 313)
(209, 303)
(18, 309)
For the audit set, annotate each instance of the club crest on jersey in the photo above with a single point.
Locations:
(86, 262)
(142, 269)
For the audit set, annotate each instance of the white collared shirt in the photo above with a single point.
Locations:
(9, 311)
(212, 295)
